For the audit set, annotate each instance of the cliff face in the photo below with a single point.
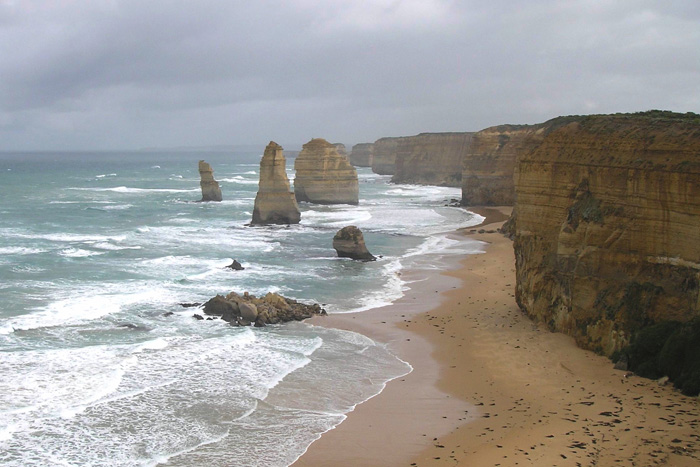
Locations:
(323, 176)
(431, 158)
(274, 203)
(362, 155)
(210, 187)
(489, 164)
(607, 234)
(384, 156)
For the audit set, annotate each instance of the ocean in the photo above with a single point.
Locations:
(101, 365)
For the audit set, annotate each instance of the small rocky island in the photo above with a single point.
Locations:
(350, 243)
(247, 309)
(210, 187)
(274, 203)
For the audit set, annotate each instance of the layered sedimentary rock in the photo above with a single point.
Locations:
(431, 158)
(384, 155)
(323, 176)
(340, 147)
(210, 187)
(489, 164)
(350, 243)
(607, 229)
(274, 203)
(247, 309)
(362, 155)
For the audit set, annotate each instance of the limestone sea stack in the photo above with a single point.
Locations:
(323, 176)
(210, 187)
(274, 203)
(362, 155)
(384, 155)
(350, 243)
(607, 226)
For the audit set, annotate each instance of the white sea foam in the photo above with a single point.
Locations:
(239, 180)
(18, 250)
(78, 253)
(131, 190)
(105, 175)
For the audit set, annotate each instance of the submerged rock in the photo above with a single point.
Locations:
(210, 187)
(247, 309)
(236, 266)
(350, 243)
(275, 202)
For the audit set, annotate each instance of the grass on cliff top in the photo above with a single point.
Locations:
(650, 116)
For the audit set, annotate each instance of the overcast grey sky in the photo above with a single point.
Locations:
(125, 74)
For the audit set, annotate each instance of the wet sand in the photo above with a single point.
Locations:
(491, 388)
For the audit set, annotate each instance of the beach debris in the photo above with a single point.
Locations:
(350, 243)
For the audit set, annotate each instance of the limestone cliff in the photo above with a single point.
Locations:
(210, 187)
(607, 231)
(431, 158)
(274, 203)
(340, 147)
(362, 155)
(323, 176)
(384, 155)
(489, 164)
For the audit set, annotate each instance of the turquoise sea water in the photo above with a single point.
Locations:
(96, 247)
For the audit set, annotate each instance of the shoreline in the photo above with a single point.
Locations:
(491, 387)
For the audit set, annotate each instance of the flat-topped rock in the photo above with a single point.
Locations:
(324, 176)
(275, 202)
(210, 187)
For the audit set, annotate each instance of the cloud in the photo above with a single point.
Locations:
(126, 73)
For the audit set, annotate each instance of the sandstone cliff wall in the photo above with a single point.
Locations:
(274, 202)
(607, 231)
(431, 158)
(384, 156)
(323, 176)
(489, 164)
(362, 155)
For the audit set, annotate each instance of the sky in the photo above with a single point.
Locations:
(129, 74)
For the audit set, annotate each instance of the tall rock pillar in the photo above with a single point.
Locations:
(274, 203)
(210, 187)
(324, 176)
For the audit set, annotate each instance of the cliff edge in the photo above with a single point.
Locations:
(431, 158)
(607, 230)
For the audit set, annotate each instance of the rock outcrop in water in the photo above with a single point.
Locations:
(274, 203)
(431, 158)
(350, 243)
(607, 226)
(323, 176)
(362, 155)
(210, 187)
(247, 309)
(489, 164)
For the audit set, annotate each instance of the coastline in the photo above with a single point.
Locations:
(491, 387)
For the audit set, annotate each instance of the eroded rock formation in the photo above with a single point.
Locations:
(210, 187)
(431, 158)
(323, 176)
(384, 155)
(362, 155)
(247, 309)
(607, 230)
(489, 164)
(274, 203)
(350, 243)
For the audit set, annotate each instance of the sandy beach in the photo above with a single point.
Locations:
(491, 388)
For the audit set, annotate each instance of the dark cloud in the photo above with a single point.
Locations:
(128, 73)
